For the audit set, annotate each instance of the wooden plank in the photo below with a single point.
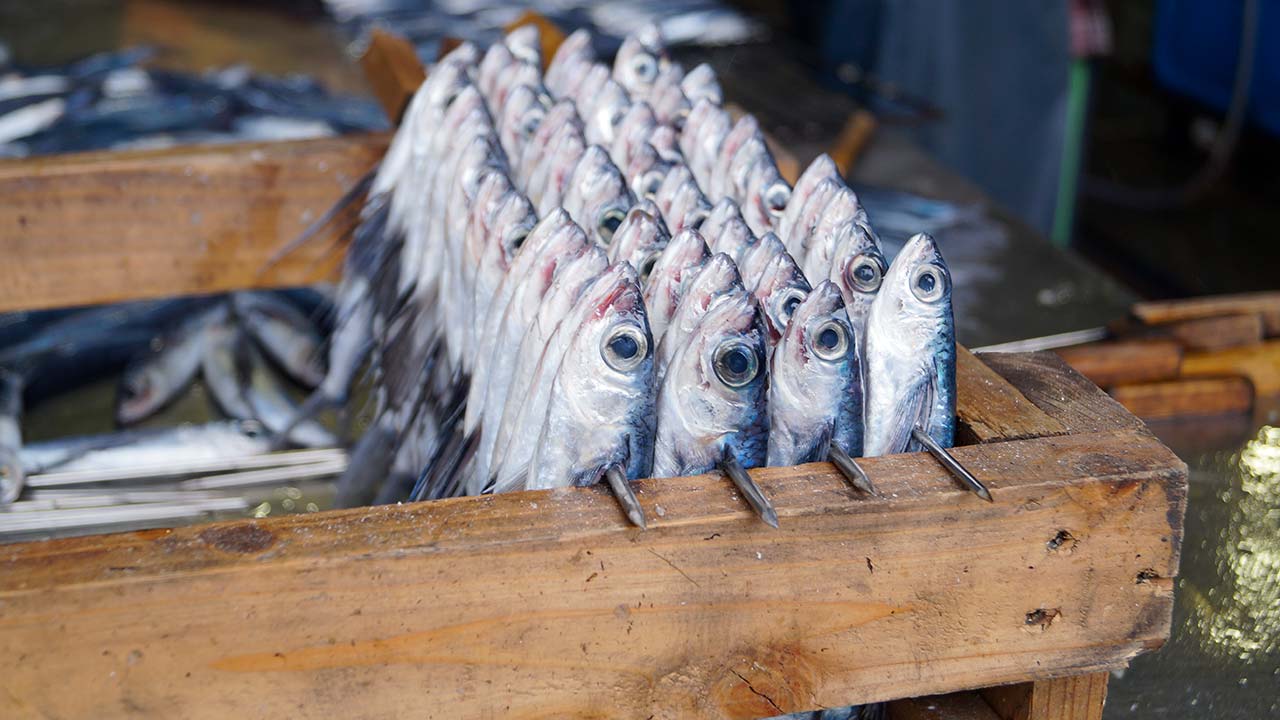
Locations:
(1079, 697)
(1259, 363)
(106, 227)
(1186, 397)
(549, 604)
(392, 67)
(1125, 361)
(953, 706)
(1265, 304)
(1062, 392)
(852, 140)
(989, 408)
(1217, 333)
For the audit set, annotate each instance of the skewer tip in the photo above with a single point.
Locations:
(626, 497)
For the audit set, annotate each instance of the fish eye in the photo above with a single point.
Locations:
(646, 265)
(831, 341)
(929, 283)
(610, 221)
(865, 274)
(776, 197)
(518, 240)
(790, 302)
(645, 67)
(736, 364)
(649, 184)
(625, 348)
(252, 428)
(531, 123)
(136, 387)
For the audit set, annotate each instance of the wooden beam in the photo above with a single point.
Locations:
(990, 408)
(106, 227)
(548, 603)
(1125, 361)
(1186, 397)
(1061, 392)
(392, 67)
(1216, 333)
(1265, 304)
(1080, 697)
(1259, 363)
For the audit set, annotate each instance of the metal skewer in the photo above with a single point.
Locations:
(951, 464)
(851, 470)
(749, 489)
(625, 496)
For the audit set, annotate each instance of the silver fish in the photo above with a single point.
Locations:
(500, 230)
(638, 61)
(809, 215)
(12, 471)
(715, 280)
(754, 260)
(640, 240)
(601, 409)
(497, 61)
(766, 196)
(562, 113)
(645, 170)
(597, 197)
(518, 434)
(550, 182)
(520, 118)
(666, 140)
(274, 408)
(683, 256)
(858, 270)
(586, 91)
(815, 383)
(822, 168)
(167, 369)
(911, 353)
(633, 130)
(704, 132)
(779, 290)
(743, 133)
(713, 402)
(687, 207)
(701, 83)
(286, 335)
(573, 50)
(838, 217)
(668, 99)
(525, 43)
(732, 237)
(218, 368)
(603, 112)
(520, 73)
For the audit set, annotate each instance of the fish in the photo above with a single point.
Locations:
(218, 369)
(911, 353)
(687, 208)
(712, 403)
(808, 217)
(549, 184)
(632, 131)
(780, 288)
(520, 118)
(728, 232)
(554, 243)
(842, 215)
(815, 383)
(525, 43)
(704, 132)
(858, 270)
(756, 257)
(603, 111)
(670, 105)
(716, 279)
(601, 410)
(500, 222)
(597, 197)
(683, 256)
(156, 379)
(744, 131)
(287, 336)
(645, 170)
(701, 83)
(182, 444)
(531, 157)
(638, 61)
(821, 168)
(640, 240)
(766, 196)
(12, 471)
(519, 74)
(497, 61)
(271, 404)
(525, 412)
(573, 50)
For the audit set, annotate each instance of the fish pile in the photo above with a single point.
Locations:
(597, 273)
(248, 348)
(114, 101)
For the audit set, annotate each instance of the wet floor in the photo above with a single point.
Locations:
(1223, 659)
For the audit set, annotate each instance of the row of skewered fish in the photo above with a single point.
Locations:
(598, 273)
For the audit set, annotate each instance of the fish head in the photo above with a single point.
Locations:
(551, 182)
(509, 225)
(637, 123)
(781, 289)
(669, 102)
(598, 197)
(640, 241)
(859, 266)
(563, 69)
(822, 168)
(496, 62)
(810, 214)
(141, 389)
(724, 211)
(560, 114)
(717, 276)
(605, 109)
(743, 131)
(689, 208)
(518, 74)
(666, 140)
(706, 129)
(645, 171)
(757, 256)
(521, 117)
(767, 196)
(917, 288)
(701, 83)
(639, 60)
(525, 43)
(734, 238)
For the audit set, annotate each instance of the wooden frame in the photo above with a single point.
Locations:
(549, 604)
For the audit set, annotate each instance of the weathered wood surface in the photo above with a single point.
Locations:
(1125, 361)
(1265, 304)
(1079, 697)
(991, 408)
(1186, 397)
(1062, 392)
(105, 227)
(548, 604)
(1216, 333)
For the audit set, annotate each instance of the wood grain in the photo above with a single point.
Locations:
(1125, 361)
(1186, 397)
(106, 227)
(548, 604)
(852, 140)
(990, 408)
(1260, 364)
(1216, 333)
(953, 706)
(1265, 304)
(1061, 392)
(1079, 697)
(393, 69)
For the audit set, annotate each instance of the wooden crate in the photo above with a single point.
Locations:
(549, 604)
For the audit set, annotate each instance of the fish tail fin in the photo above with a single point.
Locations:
(347, 199)
(369, 466)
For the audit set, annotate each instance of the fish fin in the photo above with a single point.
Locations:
(316, 403)
(911, 409)
(348, 198)
(370, 464)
